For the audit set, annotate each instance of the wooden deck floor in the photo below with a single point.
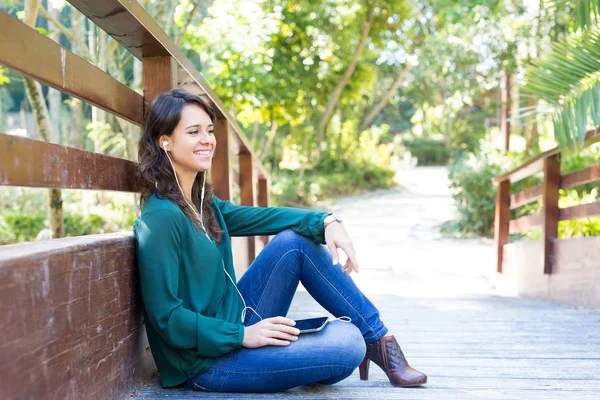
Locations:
(437, 296)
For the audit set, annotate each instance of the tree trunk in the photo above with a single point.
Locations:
(390, 92)
(254, 134)
(334, 97)
(385, 98)
(54, 96)
(303, 161)
(188, 21)
(515, 103)
(531, 133)
(504, 112)
(38, 106)
(270, 140)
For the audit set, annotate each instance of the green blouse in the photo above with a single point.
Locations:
(191, 309)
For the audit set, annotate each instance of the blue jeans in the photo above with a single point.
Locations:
(326, 357)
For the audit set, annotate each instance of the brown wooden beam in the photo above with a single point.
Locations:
(160, 75)
(247, 195)
(33, 163)
(221, 166)
(501, 222)
(524, 223)
(550, 211)
(525, 196)
(580, 177)
(30, 53)
(580, 211)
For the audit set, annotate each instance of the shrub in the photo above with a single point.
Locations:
(428, 151)
(19, 226)
(474, 194)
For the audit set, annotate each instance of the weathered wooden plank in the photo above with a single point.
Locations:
(30, 53)
(524, 223)
(580, 211)
(525, 196)
(580, 177)
(71, 319)
(33, 163)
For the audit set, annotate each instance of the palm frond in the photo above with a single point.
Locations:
(567, 79)
(586, 13)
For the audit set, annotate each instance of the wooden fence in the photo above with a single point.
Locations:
(70, 317)
(571, 261)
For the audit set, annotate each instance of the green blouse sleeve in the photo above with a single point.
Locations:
(255, 221)
(158, 237)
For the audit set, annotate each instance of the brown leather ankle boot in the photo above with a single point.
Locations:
(386, 353)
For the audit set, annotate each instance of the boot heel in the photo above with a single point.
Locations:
(363, 369)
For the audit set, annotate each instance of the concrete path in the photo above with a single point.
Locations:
(437, 296)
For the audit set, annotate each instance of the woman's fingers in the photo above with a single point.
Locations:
(283, 335)
(281, 320)
(277, 342)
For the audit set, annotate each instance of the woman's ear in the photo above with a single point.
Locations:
(164, 142)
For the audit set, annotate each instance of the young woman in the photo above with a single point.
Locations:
(205, 332)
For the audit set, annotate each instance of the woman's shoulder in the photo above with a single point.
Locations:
(161, 209)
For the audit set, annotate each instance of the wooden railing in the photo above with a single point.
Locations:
(71, 316)
(550, 214)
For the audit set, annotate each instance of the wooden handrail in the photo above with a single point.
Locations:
(524, 223)
(535, 164)
(580, 177)
(526, 196)
(27, 51)
(54, 166)
(551, 214)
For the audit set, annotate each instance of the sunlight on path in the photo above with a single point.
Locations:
(399, 246)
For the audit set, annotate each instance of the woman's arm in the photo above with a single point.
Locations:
(254, 221)
(158, 237)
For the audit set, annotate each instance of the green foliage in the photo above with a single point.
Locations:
(19, 226)
(474, 194)
(78, 225)
(428, 151)
(288, 190)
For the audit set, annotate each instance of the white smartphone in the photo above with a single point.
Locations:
(311, 325)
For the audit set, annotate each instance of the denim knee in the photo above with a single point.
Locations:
(354, 343)
(289, 236)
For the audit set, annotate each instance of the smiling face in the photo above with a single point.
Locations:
(192, 143)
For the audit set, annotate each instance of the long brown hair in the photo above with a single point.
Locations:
(155, 169)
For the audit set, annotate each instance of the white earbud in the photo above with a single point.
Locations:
(165, 143)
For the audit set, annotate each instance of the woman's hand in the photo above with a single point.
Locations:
(337, 237)
(276, 331)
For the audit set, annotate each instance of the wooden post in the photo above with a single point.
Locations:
(551, 210)
(263, 201)
(504, 114)
(221, 167)
(502, 220)
(247, 195)
(159, 75)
